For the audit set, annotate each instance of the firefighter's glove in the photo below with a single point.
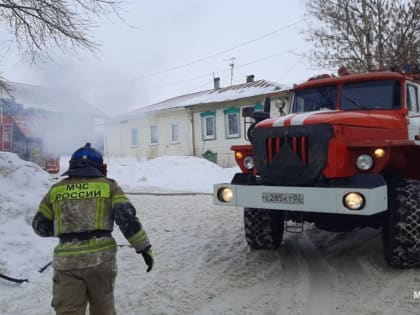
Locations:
(148, 259)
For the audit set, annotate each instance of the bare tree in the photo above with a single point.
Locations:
(364, 34)
(38, 25)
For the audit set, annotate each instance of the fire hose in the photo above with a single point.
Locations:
(13, 279)
(16, 280)
(41, 270)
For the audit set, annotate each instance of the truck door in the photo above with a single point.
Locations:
(413, 106)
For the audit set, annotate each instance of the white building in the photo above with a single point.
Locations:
(205, 123)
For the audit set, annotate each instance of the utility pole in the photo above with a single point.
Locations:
(231, 64)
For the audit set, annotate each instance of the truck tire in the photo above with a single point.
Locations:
(401, 228)
(263, 228)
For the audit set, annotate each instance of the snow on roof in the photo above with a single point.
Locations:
(52, 100)
(234, 92)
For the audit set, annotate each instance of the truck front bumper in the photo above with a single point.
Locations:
(303, 199)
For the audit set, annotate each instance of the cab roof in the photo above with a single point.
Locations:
(369, 76)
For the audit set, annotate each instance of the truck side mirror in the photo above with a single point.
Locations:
(267, 105)
(248, 111)
(260, 116)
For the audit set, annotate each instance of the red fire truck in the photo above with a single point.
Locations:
(17, 136)
(347, 155)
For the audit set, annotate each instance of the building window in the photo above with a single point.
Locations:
(175, 133)
(232, 122)
(154, 134)
(208, 125)
(134, 137)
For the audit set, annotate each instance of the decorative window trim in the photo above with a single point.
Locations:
(258, 107)
(208, 113)
(231, 110)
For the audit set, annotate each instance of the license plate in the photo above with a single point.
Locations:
(283, 198)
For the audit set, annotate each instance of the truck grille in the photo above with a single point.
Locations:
(291, 155)
(297, 143)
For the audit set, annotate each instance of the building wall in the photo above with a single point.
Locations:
(221, 144)
(118, 135)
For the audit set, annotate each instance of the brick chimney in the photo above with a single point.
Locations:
(250, 78)
(216, 83)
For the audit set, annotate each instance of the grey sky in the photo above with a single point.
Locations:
(168, 48)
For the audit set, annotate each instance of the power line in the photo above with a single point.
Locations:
(204, 58)
(289, 51)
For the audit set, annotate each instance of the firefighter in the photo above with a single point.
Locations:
(80, 210)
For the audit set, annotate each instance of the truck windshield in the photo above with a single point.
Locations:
(319, 98)
(384, 94)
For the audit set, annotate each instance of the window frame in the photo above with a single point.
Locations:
(152, 133)
(227, 114)
(174, 141)
(416, 94)
(134, 135)
(205, 116)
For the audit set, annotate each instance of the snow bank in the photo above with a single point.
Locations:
(23, 184)
(164, 174)
(169, 173)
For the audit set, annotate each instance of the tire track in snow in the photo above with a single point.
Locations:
(321, 278)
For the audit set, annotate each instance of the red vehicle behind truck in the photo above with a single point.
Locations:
(347, 155)
(17, 136)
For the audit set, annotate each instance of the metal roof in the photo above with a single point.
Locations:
(230, 93)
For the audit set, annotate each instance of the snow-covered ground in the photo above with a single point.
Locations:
(203, 265)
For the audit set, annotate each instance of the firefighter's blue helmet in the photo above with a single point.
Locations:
(86, 162)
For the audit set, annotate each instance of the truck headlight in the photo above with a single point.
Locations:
(225, 194)
(364, 162)
(248, 162)
(354, 201)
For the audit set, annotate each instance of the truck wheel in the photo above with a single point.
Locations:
(263, 228)
(401, 229)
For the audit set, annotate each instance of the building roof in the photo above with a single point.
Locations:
(234, 92)
(51, 100)
(23, 125)
(29, 127)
